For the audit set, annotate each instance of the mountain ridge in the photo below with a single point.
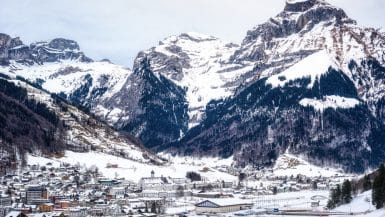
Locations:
(308, 81)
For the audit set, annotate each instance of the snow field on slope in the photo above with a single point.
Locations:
(288, 164)
(312, 66)
(67, 82)
(128, 169)
(332, 101)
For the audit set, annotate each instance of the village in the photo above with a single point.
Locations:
(75, 191)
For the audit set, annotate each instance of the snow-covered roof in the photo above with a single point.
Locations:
(225, 202)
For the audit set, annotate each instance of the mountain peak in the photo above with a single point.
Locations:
(188, 36)
(63, 44)
(312, 10)
(302, 5)
(13, 49)
(298, 16)
(194, 36)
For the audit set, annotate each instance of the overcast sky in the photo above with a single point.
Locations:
(119, 29)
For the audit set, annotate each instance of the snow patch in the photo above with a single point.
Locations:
(295, 1)
(288, 164)
(332, 101)
(313, 66)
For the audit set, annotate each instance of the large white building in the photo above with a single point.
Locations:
(162, 183)
(222, 205)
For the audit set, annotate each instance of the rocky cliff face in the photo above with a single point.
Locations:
(40, 52)
(157, 107)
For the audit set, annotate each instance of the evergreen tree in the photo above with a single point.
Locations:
(337, 195)
(355, 187)
(315, 185)
(334, 198)
(378, 190)
(367, 185)
(331, 204)
(346, 192)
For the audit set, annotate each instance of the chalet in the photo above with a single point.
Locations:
(46, 207)
(222, 205)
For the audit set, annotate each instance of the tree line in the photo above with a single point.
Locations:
(375, 182)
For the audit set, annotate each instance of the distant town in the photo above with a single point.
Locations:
(74, 191)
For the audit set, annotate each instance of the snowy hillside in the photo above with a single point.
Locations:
(134, 170)
(83, 133)
(287, 165)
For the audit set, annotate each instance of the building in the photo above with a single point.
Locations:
(155, 183)
(162, 183)
(24, 208)
(5, 200)
(46, 207)
(154, 205)
(118, 192)
(222, 205)
(77, 212)
(164, 194)
(108, 182)
(36, 195)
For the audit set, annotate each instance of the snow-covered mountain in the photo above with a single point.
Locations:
(61, 68)
(173, 82)
(316, 91)
(197, 63)
(190, 68)
(308, 82)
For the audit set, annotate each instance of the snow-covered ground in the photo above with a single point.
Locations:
(361, 203)
(288, 164)
(330, 102)
(132, 170)
(362, 206)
